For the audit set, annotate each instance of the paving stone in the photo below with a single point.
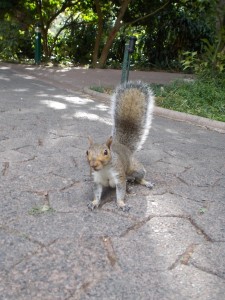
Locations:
(170, 245)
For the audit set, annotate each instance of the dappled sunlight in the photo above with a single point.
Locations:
(54, 104)
(92, 117)
(25, 76)
(4, 78)
(66, 69)
(74, 100)
(42, 95)
(4, 68)
(78, 101)
(42, 86)
(102, 107)
(20, 90)
(171, 131)
(69, 69)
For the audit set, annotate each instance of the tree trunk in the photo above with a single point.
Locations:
(45, 47)
(99, 34)
(112, 34)
(46, 23)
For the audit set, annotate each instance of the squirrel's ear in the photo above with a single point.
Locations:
(109, 142)
(90, 140)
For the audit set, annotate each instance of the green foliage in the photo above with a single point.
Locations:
(9, 40)
(15, 43)
(176, 29)
(69, 30)
(203, 97)
(164, 36)
(210, 61)
(98, 89)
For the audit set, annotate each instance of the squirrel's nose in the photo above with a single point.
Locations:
(94, 164)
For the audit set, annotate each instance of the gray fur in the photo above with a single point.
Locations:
(129, 132)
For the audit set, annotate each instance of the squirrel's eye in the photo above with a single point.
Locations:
(105, 152)
(87, 152)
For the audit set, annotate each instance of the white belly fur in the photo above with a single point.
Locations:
(105, 177)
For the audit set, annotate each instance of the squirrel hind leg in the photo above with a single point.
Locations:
(139, 173)
(146, 183)
(141, 180)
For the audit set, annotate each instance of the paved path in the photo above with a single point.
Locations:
(171, 245)
(78, 78)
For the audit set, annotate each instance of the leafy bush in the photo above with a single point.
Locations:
(9, 40)
(210, 62)
(15, 44)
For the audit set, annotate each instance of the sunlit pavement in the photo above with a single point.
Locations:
(171, 244)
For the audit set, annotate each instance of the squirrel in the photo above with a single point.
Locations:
(113, 162)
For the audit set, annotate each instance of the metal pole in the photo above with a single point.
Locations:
(129, 49)
(124, 76)
(37, 44)
(128, 67)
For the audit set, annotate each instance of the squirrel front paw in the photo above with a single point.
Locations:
(93, 204)
(124, 207)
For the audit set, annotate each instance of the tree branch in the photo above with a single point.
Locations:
(113, 32)
(67, 24)
(65, 5)
(148, 15)
(99, 33)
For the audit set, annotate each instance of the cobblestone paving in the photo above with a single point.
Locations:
(171, 245)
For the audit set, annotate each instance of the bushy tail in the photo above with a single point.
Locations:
(132, 107)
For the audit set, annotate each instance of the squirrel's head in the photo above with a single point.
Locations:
(99, 155)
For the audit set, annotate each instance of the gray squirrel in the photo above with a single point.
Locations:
(113, 162)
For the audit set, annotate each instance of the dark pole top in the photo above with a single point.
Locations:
(132, 42)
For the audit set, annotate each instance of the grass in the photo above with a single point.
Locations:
(203, 97)
(102, 89)
(38, 210)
